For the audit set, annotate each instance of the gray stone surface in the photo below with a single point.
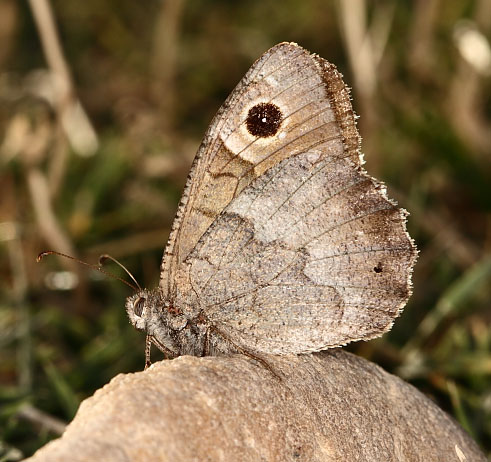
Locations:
(331, 406)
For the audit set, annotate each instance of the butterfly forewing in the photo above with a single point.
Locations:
(231, 157)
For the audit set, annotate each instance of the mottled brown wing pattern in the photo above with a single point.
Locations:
(311, 255)
(316, 116)
(282, 242)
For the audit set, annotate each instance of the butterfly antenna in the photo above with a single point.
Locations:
(95, 267)
(105, 257)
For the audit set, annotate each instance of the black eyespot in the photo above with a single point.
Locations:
(264, 120)
(138, 306)
(378, 268)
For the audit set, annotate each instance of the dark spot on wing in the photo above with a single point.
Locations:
(264, 120)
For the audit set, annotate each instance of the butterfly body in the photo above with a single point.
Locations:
(175, 333)
(282, 243)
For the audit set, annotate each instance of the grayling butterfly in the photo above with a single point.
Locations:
(282, 243)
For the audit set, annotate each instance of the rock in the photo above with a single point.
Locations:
(331, 406)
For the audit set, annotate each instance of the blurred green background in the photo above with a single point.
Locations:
(101, 113)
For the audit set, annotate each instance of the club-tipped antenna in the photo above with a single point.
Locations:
(105, 257)
(95, 267)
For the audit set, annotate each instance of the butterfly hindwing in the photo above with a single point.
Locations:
(311, 255)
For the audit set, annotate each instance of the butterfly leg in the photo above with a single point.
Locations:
(206, 349)
(148, 347)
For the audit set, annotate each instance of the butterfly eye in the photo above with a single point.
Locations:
(138, 307)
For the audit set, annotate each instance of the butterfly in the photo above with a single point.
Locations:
(282, 243)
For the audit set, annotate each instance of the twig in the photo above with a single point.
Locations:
(48, 224)
(73, 119)
(40, 418)
(421, 52)
(365, 44)
(365, 48)
(51, 46)
(164, 60)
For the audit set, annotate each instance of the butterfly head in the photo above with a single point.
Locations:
(143, 308)
(149, 311)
